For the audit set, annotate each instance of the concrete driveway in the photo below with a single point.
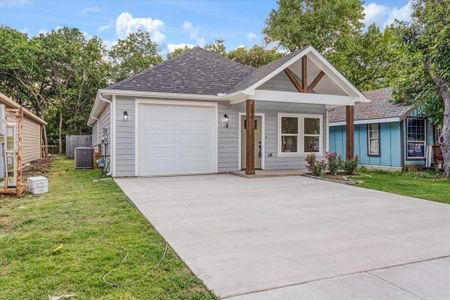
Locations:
(296, 237)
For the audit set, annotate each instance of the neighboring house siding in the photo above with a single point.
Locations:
(390, 147)
(125, 137)
(228, 138)
(31, 140)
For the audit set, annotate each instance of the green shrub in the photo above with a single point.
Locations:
(334, 163)
(315, 167)
(350, 165)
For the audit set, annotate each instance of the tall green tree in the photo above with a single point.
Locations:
(177, 52)
(368, 59)
(255, 56)
(133, 54)
(335, 28)
(295, 24)
(217, 47)
(423, 69)
(76, 71)
(22, 76)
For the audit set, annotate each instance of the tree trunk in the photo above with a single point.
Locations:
(60, 132)
(444, 139)
(45, 140)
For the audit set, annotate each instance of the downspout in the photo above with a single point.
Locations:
(100, 96)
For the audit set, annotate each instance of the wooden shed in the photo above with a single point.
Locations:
(32, 131)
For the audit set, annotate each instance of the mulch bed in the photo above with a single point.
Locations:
(341, 177)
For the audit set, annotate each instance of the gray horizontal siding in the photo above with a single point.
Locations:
(103, 122)
(125, 137)
(229, 137)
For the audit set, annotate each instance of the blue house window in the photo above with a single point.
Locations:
(373, 139)
(415, 134)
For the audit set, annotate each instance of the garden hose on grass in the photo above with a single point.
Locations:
(120, 248)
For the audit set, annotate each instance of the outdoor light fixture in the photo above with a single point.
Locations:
(125, 116)
(226, 120)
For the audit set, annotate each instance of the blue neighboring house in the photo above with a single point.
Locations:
(387, 135)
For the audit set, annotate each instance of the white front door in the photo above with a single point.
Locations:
(176, 139)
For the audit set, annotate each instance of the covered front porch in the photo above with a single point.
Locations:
(300, 93)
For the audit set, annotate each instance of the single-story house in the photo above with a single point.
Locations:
(386, 135)
(32, 131)
(201, 113)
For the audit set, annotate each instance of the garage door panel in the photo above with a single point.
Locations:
(176, 139)
(159, 139)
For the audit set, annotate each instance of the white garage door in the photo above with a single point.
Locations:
(176, 139)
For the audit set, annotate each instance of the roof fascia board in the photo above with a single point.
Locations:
(164, 95)
(307, 98)
(368, 121)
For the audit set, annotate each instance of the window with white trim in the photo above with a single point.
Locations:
(373, 139)
(300, 134)
(415, 138)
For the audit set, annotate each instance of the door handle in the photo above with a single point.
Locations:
(259, 149)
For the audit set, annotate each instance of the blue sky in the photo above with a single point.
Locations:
(171, 23)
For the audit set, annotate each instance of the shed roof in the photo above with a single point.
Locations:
(10, 103)
(380, 107)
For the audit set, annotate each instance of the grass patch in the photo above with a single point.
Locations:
(425, 185)
(72, 216)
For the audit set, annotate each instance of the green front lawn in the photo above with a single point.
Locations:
(423, 185)
(73, 216)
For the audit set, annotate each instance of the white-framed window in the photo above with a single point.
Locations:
(373, 139)
(299, 134)
(415, 138)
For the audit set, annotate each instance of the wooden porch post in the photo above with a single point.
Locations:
(250, 142)
(350, 119)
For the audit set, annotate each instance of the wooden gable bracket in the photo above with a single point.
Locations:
(302, 87)
(293, 78)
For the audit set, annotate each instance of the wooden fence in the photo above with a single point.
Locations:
(74, 141)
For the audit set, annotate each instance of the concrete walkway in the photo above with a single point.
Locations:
(281, 237)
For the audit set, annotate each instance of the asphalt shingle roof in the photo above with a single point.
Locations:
(196, 71)
(201, 72)
(380, 107)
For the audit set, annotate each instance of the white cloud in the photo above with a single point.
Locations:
(173, 47)
(240, 46)
(193, 33)
(251, 36)
(126, 24)
(383, 15)
(42, 31)
(104, 28)
(91, 9)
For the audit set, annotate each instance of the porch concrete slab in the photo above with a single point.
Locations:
(244, 235)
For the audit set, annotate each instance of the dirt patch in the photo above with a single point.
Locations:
(38, 167)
